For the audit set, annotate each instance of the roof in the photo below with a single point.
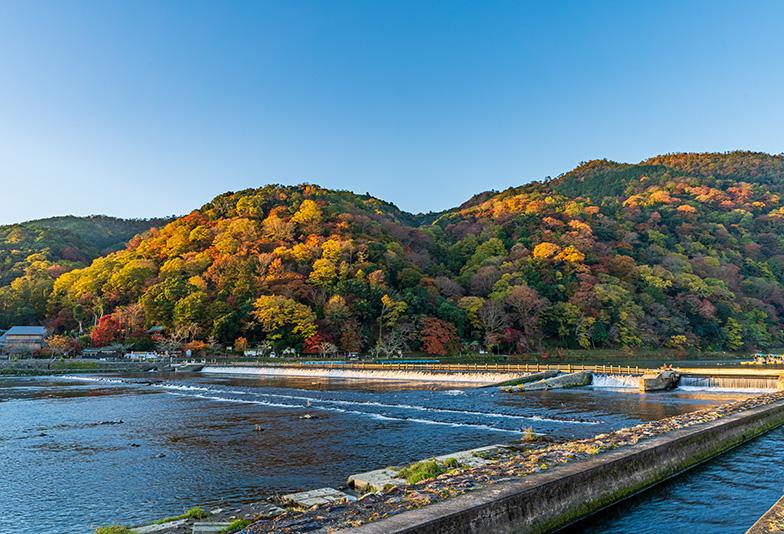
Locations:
(26, 331)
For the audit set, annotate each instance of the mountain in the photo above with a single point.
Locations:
(680, 250)
(34, 253)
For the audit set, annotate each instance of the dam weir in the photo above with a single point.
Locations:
(730, 379)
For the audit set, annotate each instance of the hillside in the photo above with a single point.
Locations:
(681, 250)
(34, 253)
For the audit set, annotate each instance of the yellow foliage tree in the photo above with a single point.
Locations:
(545, 250)
(570, 254)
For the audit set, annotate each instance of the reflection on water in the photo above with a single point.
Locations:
(134, 448)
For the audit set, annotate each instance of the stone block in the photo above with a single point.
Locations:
(317, 497)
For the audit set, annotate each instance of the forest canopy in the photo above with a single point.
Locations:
(681, 251)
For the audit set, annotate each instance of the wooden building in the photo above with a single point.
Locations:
(23, 339)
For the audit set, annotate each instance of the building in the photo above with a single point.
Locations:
(23, 339)
(143, 356)
(110, 351)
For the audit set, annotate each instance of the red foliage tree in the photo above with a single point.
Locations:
(313, 344)
(106, 331)
(438, 337)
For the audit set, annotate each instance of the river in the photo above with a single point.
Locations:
(82, 451)
(725, 495)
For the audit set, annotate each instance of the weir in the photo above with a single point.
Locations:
(468, 377)
(740, 379)
(730, 383)
(601, 380)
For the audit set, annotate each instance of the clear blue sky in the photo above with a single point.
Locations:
(135, 108)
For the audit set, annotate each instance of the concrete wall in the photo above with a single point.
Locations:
(572, 380)
(659, 381)
(533, 377)
(545, 502)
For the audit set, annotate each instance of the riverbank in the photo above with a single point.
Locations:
(40, 367)
(226, 441)
(508, 465)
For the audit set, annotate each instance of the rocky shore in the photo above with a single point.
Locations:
(530, 456)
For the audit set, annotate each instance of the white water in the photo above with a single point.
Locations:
(95, 379)
(477, 378)
(317, 403)
(376, 416)
(615, 381)
(728, 384)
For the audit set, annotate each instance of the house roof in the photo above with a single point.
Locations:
(26, 331)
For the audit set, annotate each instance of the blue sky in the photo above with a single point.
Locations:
(152, 108)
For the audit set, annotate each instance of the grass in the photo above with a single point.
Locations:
(427, 469)
(193, 513)
(236, 526)
(529, 435)
(74, 365)
(113, 529)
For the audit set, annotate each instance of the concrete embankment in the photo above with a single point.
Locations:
(771, 522)
(553, 499)
(571, 380)
(533, 377)
(660, 381)
(471, 377)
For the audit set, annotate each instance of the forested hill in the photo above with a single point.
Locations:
(682, 250)
(34, 253)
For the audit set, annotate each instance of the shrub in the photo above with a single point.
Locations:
(113, 529)
(427, 469)
(529, 435)
(236, 526)
(193, 513)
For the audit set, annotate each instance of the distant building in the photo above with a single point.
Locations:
(23, 339)
(141, 356)
(111, 351)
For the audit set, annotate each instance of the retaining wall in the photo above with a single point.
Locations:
(551, 500)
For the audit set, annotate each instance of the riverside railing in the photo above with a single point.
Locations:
(474, 367)
(527, 368)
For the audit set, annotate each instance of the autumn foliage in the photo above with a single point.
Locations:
(106, 332)
(439, 337)
(679, 250)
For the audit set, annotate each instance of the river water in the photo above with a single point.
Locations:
(725, 495)
(82, 451)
